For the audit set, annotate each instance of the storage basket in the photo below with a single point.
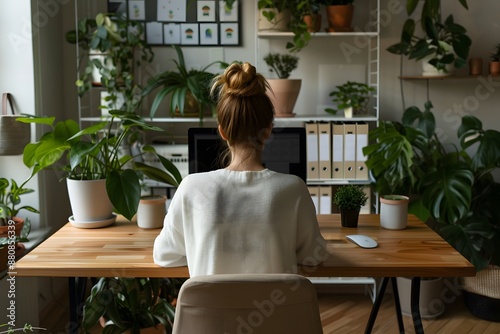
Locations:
(482, 294)
(14, 135)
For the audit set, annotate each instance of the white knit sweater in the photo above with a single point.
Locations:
(225, 221)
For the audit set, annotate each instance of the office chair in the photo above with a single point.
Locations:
(247, 303)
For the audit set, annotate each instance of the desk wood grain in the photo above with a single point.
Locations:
(125, 250)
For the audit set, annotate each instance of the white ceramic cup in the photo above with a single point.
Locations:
(151, 212)
(394, 212)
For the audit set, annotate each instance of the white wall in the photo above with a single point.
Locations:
(16, 68)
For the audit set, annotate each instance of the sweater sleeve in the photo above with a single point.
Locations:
(310, 245)
(169, 247)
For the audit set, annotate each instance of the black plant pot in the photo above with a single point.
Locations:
(349, 218)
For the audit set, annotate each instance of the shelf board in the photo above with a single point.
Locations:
(445, 77)
(277, 120)
(333, 182)
(287, 34)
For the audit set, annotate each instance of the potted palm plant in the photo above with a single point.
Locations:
(350, 198)
(352, 97)
(188, 89)
(443, 46)
(94, 156)
(284, 91)
(131, 305)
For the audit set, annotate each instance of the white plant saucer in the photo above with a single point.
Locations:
(93, 224)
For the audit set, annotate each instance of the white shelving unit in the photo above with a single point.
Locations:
(325, 42)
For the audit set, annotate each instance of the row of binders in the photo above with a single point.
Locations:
(335, 150)
(322, 197)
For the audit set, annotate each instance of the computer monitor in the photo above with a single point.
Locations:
(284, 151)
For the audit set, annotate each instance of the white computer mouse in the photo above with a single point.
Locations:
(361, 240)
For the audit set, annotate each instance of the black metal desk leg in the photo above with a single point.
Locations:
(376, 306)
(415, 305)
(397, 305)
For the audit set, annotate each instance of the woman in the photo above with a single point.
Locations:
(243, 218)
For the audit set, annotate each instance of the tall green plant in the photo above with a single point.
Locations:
(181, 83)
(451, 189)
(95, 152)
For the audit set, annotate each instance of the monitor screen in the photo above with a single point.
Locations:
(284, 151)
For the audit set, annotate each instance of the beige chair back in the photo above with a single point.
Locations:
(247, 303)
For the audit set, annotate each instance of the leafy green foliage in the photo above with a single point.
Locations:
(281, 64)
(351, 94)
(119, 40)
(350, 197)
(495, 56)
(130, 304)
(95, 152)
(445, 42)
(180, 84)
(453, 191)
(11, 198)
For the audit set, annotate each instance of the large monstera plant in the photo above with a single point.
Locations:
(452, 188)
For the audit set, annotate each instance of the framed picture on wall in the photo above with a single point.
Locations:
(184, 22)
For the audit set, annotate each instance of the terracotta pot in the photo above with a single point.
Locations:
(476, 66)
(284, 95)
(340, 18)
(313, 22)
(349, 218)
(495, 67)
(18, 226)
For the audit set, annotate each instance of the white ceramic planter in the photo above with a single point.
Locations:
(394, 212)
(431, 305)
(90, 203)
(348, 112)
(151, 212)
(280, 22)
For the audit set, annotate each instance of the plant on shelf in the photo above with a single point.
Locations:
(495, 61)
(352, 97)
(451, 189)
(444, 44)
(276, 13)
(130, 304)
(284, 91)
(10, 199)
(340, 14)
(120, 47)
(281, 64)
(189, 89)
(350, 198)
(96, 153)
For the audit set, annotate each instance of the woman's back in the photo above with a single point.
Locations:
(236, 222)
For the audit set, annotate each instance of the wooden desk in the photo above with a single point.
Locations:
(125, 250)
